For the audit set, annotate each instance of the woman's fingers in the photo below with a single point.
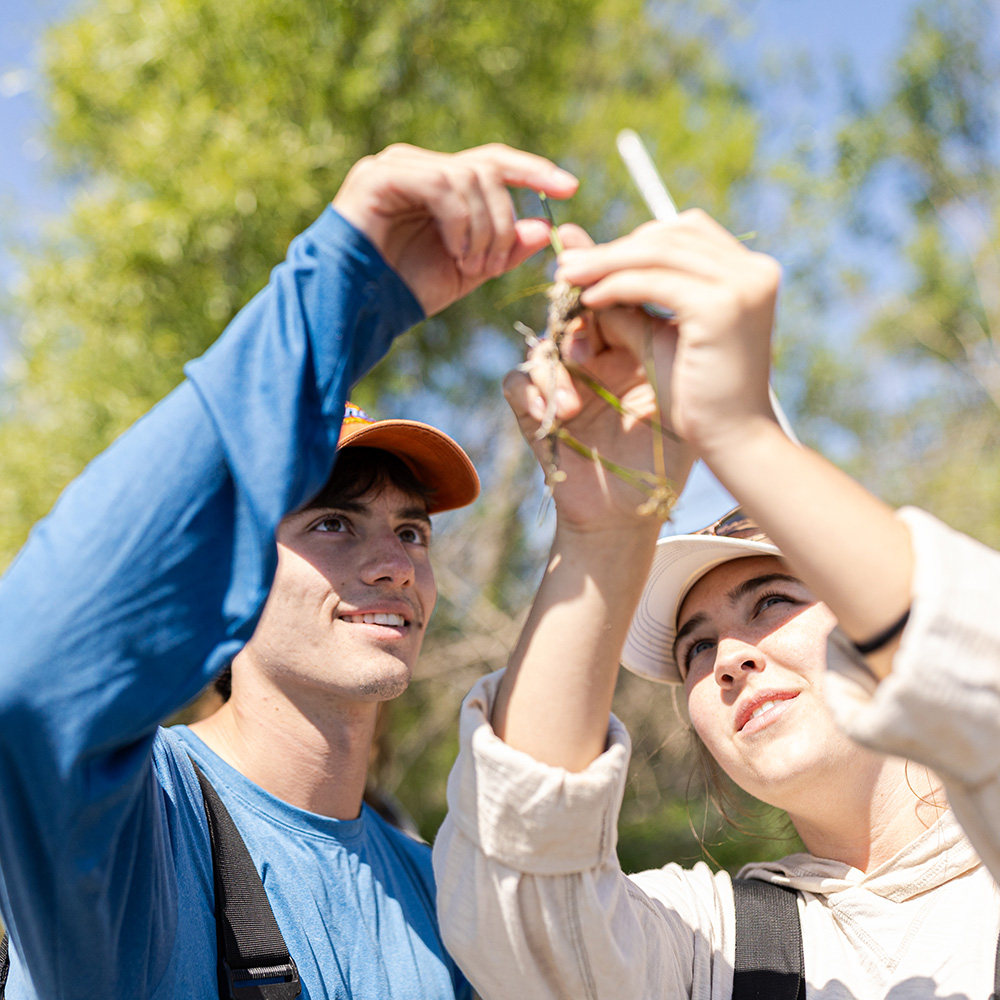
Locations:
(693, 243)
(530, 404)
(574, 236)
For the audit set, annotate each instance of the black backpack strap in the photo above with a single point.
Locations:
(4, 964)
(769, 963)
(254, 963)
(996, 975)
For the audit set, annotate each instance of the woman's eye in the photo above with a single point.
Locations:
(770, 600)
(697, 648)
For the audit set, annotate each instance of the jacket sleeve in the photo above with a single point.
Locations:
(529, 889)
(144, 580)
(940, 706)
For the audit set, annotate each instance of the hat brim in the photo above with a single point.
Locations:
(434, 458)
(679, 562)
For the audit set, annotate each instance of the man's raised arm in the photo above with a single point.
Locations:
(150, 571)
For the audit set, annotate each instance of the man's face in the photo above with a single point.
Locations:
(753, 640)
(351, 597)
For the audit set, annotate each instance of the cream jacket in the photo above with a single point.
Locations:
(941, 703)
(533, 903)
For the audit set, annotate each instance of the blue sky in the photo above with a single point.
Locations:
(869, 33)
(24, 180)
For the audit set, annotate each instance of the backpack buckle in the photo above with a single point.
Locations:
(270, 982)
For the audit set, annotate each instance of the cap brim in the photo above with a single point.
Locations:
(434, 458)
(679, 562)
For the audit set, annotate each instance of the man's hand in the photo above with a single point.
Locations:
(445, 221)
(591, 497)
(723, 299)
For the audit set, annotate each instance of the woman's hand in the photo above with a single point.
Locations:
(722, 297)
(551, 393)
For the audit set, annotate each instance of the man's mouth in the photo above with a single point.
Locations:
(375, 618)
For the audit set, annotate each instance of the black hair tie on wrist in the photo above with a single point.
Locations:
(883, 639)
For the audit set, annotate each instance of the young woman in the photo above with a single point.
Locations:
(531, 897)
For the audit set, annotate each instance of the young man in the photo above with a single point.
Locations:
(150, 575)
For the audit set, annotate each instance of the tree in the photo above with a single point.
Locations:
(921, 171)
(201, 136)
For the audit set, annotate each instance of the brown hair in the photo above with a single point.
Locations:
(360, 471)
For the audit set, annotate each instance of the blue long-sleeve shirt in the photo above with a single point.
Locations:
(146, 578)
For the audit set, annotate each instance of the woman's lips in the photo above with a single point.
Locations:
(763, 709)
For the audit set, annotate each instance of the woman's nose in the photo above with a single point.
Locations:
(734, 659)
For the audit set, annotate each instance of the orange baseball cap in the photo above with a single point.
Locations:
(434, 458)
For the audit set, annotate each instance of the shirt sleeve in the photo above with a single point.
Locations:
(530, 889)
(146, 578)
(940, 706)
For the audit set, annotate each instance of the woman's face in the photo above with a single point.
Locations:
(752, 639)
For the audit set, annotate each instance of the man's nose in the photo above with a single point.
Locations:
(387, 561)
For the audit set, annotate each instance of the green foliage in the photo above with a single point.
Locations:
(203, 136)
(922, 173)
(670, 834)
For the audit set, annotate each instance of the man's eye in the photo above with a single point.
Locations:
(331, 524)
(413, 536)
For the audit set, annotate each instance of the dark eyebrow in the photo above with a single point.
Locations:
(755, 583)
(416, 514)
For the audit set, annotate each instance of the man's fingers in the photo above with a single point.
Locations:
(541, 392)
(515, 168)
(471, 207)
(446, 221)
(532, 235)
(533, 406)
(493, 236)
(498, 167)
(503, 235)
(473, 192)
(468, 197)
(554, 383)
(583, 338)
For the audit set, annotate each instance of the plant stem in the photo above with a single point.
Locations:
(645, 482)
(603, 392)
(557, 243)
